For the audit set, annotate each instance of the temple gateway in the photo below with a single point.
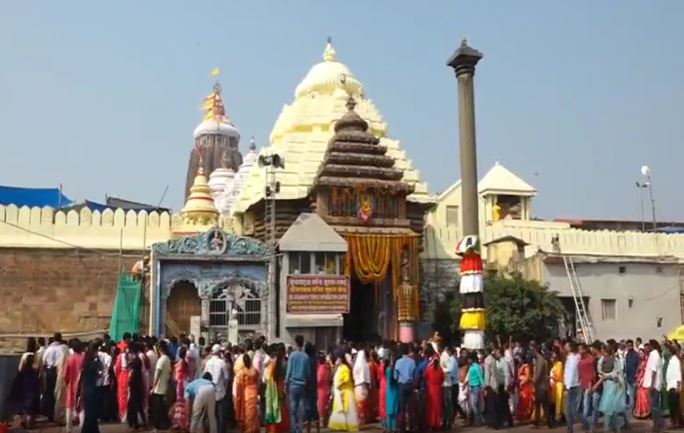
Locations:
(325, 244)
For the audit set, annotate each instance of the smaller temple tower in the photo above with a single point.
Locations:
(199, 213)
(221, 183)
(216, 140)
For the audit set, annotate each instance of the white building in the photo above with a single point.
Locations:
(632, 282)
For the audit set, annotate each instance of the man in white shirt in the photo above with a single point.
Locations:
(673, 382)
(162, 374)
(219, 375)
(505, 378)
(259, 364)
(653, 381)
(52, 358)
(444, 363)
(103, 382)
(571, 382)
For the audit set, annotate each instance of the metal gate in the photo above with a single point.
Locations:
(241, 300)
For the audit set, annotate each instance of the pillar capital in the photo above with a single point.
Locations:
(464, 59)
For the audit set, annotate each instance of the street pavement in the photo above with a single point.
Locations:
(636, 427)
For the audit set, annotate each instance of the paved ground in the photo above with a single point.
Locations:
(636, 427)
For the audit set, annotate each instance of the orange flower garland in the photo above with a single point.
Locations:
(371, 255)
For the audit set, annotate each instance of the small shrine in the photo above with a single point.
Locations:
(212, 284)
(360, 193)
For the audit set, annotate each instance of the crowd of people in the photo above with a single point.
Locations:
(187, 385)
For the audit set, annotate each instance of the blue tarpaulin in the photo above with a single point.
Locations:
(33, 197)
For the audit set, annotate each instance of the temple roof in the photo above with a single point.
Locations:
(310, 233)
(501, 180)
(354, 156)
(304, 128)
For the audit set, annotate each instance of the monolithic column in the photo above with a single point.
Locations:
(463, 61)
(472, 321)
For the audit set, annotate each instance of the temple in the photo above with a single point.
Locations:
(216, 140)
(328, 231)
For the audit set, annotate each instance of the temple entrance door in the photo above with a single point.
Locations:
(361, 324)
(183, 302)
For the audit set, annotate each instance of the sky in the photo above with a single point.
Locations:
(574, 97)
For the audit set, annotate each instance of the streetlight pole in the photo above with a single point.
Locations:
(270, 163)
(646, 171)
(641, 187)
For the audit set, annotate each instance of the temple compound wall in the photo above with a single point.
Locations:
(59, 271)
(47, 290)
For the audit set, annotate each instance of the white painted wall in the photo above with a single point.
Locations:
(654, 293)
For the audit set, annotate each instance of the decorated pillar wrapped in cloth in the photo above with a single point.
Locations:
(471, 290)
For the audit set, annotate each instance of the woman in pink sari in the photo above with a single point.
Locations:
(72, 374)
(179, 412)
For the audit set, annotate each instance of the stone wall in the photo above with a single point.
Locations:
(48, 290)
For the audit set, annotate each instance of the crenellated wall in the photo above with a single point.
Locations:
(539, 234)
(440, 242)
(110, 230)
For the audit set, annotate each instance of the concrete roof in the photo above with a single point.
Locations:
(506, 238)
(310, 233)
(499, 179)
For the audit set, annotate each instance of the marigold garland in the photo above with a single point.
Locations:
(370, 256)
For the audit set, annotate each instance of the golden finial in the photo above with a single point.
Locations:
(329, 55)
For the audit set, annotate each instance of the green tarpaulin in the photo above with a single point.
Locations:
(126, 314)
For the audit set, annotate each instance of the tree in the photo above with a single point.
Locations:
(519, 308)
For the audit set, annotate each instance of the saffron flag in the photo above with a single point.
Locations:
(215, 72)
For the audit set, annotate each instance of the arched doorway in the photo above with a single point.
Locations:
(182, 303)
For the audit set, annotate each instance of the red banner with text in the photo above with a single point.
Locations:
(316, 294)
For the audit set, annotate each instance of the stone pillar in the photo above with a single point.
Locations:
(473, 319)
(463, 61)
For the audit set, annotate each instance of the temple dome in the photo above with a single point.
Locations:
(243, 172)
(216, 119)
(213, 126)
(220, 179)
(302, 132)
(328, 76)
(220, 182)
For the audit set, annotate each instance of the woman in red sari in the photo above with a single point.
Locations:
(526, 398)
(72, 374)
(179, 410)
(642, 402)
(374, 391)
(122, 375)
(434, 378)
(382, 394)
(324, 376)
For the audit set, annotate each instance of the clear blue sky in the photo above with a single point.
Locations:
(573, 96)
